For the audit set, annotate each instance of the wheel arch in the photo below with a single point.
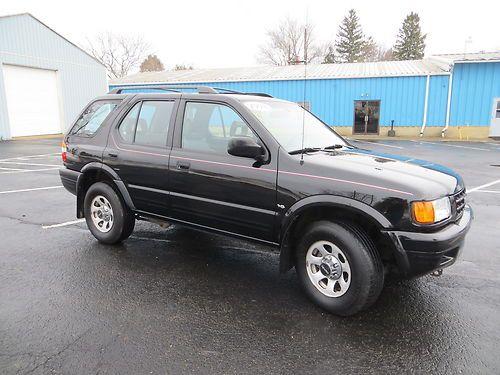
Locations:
(94, 172)
(320, 207)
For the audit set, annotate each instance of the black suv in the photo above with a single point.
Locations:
(259, 168)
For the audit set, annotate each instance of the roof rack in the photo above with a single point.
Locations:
(201, 90)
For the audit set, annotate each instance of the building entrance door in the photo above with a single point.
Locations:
(366, 116)
(495, 119)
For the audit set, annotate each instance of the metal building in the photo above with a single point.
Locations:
(45, 80)
(451, 95)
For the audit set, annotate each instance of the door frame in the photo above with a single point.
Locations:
(354, 116)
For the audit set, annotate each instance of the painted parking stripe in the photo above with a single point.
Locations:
(30, 170)
(63, 224)
(377, 144)
(30, 156)
(33, 164)
(33, 189)
(487, 191)
(483, 186)
(11, 169)
(448, 145)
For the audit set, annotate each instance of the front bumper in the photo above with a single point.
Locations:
(420, 253)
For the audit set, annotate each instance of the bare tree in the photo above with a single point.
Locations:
(151, 64)
(385, 54)
(289, 43)
(118, 53)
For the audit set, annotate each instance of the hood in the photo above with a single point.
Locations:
(426, 180)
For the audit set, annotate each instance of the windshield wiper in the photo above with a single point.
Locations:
(333, 147)
(304, 150)
(316, 149)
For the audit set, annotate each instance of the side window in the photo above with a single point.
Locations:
(127, 127)
(147, 123)
(208, 127)
(93, 117)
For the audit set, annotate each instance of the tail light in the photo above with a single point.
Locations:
(63, 152)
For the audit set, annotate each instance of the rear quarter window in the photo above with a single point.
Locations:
(93, 117)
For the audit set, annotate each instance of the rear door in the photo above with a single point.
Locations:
(211, 188)
(138, 150)
(495, 119)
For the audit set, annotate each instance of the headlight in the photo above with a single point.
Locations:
(430, 212)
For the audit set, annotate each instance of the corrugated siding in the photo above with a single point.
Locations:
(474, 87)
(438, 99)
(402, 98)
(25, 41)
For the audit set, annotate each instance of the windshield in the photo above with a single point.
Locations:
(284, 120)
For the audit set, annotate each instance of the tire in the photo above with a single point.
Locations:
(339, 267)
(107, 216)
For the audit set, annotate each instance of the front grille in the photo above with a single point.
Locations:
(459, 204)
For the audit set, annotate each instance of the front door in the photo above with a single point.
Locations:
(209, 187)
(366, 116)
(495, 119)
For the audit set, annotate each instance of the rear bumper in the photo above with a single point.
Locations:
(418, 253)
(69, 179)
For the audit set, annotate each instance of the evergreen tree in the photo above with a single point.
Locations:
(410, 43)
(330, 57)
(350, 39)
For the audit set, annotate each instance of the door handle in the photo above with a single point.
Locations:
(183, 165)
(112, 154)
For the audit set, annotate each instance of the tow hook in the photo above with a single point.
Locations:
(437, 273)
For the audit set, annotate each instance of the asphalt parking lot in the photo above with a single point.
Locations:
(177, 301)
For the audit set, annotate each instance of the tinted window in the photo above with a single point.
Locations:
(152, 127)
(147, 123)
(92, 118)
(127, 127)
(208, 127)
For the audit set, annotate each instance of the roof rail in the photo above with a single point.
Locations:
(201, 89)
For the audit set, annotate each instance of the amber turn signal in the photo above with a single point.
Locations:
(423, 212)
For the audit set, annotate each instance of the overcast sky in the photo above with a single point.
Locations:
(212, 33)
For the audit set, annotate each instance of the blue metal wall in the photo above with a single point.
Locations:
(402, 98)
(474, 87)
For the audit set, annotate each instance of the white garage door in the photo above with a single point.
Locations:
(32, 101)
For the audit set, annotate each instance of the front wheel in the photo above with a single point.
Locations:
(107, 217)
(339, 267)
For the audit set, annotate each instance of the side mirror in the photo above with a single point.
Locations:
(245, 147)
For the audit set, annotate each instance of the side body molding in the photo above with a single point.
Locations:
(316, 201)
(99, 168)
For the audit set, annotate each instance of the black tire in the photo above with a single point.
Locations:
(366, 272)
(123, 218)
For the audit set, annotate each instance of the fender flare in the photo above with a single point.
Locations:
(322, 200)
(100, 168)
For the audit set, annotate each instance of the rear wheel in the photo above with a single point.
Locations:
(339, 267)
(107, 217)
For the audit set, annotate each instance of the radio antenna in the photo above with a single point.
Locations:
(304, 93)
